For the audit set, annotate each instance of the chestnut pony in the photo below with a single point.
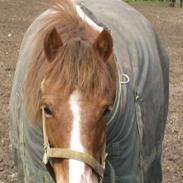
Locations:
(72, 77)
(69, 104)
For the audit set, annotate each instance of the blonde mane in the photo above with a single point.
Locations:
(76, 65)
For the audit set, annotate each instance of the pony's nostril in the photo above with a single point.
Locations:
(89, 176)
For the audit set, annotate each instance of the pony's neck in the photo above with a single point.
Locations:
(87, 19)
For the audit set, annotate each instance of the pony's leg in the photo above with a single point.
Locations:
(181, 3)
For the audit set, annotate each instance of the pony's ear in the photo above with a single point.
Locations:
(52, 43)
(103, 45)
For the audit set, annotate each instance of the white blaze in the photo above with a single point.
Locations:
(76, 168)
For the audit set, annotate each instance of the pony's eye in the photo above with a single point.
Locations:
(48, 111)
(106, 110)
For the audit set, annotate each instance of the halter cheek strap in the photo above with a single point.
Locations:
(65, 153)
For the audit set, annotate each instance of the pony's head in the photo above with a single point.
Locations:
(72, 77)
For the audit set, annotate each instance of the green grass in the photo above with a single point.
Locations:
(147, 2)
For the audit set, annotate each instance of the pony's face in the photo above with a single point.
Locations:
(72, 77)
(75, 107)
(77, 123)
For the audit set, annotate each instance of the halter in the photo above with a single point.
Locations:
(65, 153)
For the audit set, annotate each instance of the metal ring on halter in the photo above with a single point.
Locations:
(124, 79)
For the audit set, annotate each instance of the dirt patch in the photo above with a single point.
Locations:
(16, 15)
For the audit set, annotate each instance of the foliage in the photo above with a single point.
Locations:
(149, 2)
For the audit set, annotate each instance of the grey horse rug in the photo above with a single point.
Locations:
(137, 121)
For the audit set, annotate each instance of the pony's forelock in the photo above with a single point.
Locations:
(76, 65)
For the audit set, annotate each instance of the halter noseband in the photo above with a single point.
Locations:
(65, 153)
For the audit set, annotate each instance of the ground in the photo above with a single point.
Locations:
(16, 15)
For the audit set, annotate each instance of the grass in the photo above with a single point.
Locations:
(148, 2)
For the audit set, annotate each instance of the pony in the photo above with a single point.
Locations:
(90, 96)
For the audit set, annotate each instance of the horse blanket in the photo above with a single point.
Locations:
(137, 121)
